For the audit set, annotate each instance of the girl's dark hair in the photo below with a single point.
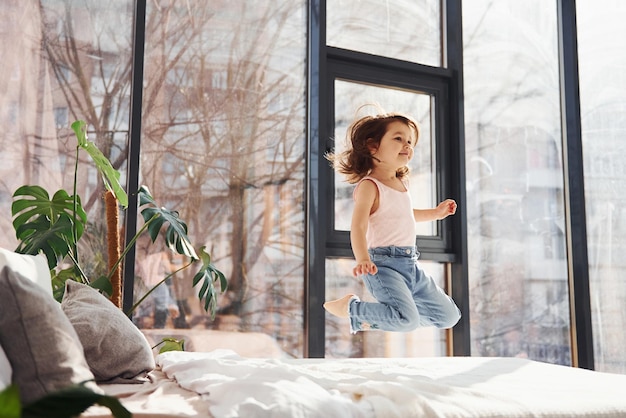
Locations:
(362, 136)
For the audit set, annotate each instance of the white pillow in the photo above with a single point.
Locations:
(34, 267)
(5, 370)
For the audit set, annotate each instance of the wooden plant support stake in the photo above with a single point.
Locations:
(113, 244)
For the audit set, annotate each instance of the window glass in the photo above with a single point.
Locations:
(602, 69)
(353, 100)
(223, 143)
(423, 342)
(519, 298)
(63, 61)
(409, 30)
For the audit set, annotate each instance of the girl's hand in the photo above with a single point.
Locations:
(446, 208)
(364, 267)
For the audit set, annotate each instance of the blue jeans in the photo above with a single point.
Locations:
(407, 297)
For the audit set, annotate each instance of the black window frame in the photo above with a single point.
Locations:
(367, 69)
(322, 242)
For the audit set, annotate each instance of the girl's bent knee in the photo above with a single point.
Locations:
(448, 322)
(408, 327)
(408, 324)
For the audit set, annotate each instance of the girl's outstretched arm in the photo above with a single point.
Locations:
(443, 210)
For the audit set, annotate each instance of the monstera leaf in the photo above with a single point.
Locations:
(52, 226)
(10, 406)
(110, 176)
(209, 275)
(33, 201)
(176, 233)
(67, 402)
(53, 239)
(71, 402)
(171, 344)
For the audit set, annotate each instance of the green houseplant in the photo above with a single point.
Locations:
(54, 225)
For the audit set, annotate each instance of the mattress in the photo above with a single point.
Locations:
(223, 384)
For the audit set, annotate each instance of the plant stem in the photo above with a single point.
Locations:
(130, 245)
(132, 309)
(77, 267)
(75, 208)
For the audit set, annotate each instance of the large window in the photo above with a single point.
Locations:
(517, 260)
(376, 66)
(63, 61)
(223, 142)
(408, 30)
(602, 41)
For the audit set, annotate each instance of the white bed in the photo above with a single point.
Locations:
(222, 384)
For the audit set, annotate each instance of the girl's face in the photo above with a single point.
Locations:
(396, 146)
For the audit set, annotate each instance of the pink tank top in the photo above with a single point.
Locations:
(393, 222)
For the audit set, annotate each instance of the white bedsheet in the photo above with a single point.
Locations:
(417, 387)
(160, 397)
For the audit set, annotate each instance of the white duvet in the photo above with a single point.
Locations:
(417, 387)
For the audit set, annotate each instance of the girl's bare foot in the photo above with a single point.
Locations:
(339, 307)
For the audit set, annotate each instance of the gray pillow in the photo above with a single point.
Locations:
(115, 349)
(39, 341)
